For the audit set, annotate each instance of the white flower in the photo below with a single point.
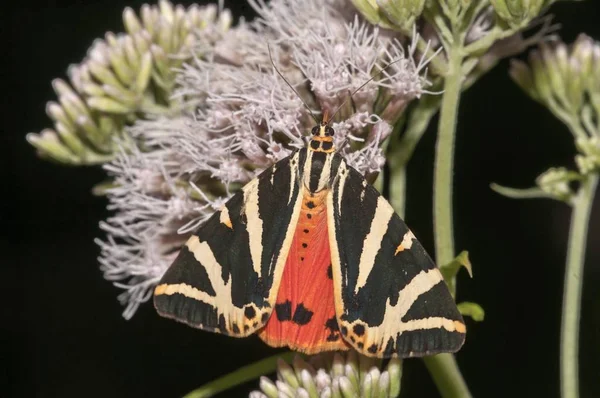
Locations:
(241, 117)
(333, 375)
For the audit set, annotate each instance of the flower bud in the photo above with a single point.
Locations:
(555, 182)
(401, 13)
(589, 159)
(391, 14)
(518, 12)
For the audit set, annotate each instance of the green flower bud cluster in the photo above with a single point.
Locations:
(518, 13)
(556, 183)
(562, 78)
(588, 160)
(124, 77)
(391, 14)
(339, 375)
(566, 79)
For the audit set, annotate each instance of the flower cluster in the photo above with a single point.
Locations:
(338, 375)
(239, 116)
(566, 79)
(124, 77)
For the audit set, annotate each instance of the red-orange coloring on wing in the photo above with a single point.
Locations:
(304, 314)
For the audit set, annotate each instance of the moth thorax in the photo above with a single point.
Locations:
(317, 170)
(322, 144)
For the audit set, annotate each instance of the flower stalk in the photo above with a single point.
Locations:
(242, 375)
(569, 335)
(443, 368)
(444, 159)
(565, 80)
(447, 376)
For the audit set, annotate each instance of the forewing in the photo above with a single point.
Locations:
(225, 278)
(391, 299)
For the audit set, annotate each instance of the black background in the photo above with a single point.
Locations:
(62, 332)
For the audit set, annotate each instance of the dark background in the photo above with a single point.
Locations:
(62, 331)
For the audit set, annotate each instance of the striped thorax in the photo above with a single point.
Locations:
(320, 155)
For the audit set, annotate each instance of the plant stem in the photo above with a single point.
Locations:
(242, 375)
(569, 348)
(402, 150)
(444, 160)
(447, 376)
(443, 368)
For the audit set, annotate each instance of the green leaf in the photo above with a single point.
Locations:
(450, 270)
(473, 310)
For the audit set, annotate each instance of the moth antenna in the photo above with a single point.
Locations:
(288, 83)
(343, 144)
(364, 84)
(352, 102)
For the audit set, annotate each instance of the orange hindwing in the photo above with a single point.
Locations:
(304, 317)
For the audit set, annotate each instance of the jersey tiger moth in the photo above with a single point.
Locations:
(310, 256)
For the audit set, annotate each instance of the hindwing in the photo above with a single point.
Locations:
(226, 277)
(390, 298)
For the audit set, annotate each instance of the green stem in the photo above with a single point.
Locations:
(443, 368)
(242, 375)
(444, 160)
(401, 150)
(447, 376)
(572, 289)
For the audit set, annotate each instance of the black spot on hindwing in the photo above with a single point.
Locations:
(372, 348)
(302, 315)
(359, 329)
(249, 312)
(284, 311)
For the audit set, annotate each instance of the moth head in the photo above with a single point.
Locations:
(322, 130)
(322, 138)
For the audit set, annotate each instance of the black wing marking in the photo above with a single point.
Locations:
(391, 299)
(226, 277)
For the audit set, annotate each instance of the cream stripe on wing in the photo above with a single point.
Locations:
(336, 267)
(391, 325)
(221, 301)
(204, 255)
(372, 242)
(325, 173)
(433, 322)
(254, 225)
(306, 169)
(420, 284)
(407, 241)
(224, 217)
(277, 272)
(342, 175)
(293, 175)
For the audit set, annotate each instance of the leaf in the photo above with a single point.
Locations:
(450, 270)
(473, 310)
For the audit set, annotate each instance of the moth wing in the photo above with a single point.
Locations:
(390, 298)
(225, 278)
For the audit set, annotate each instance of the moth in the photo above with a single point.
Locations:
(310, 256)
